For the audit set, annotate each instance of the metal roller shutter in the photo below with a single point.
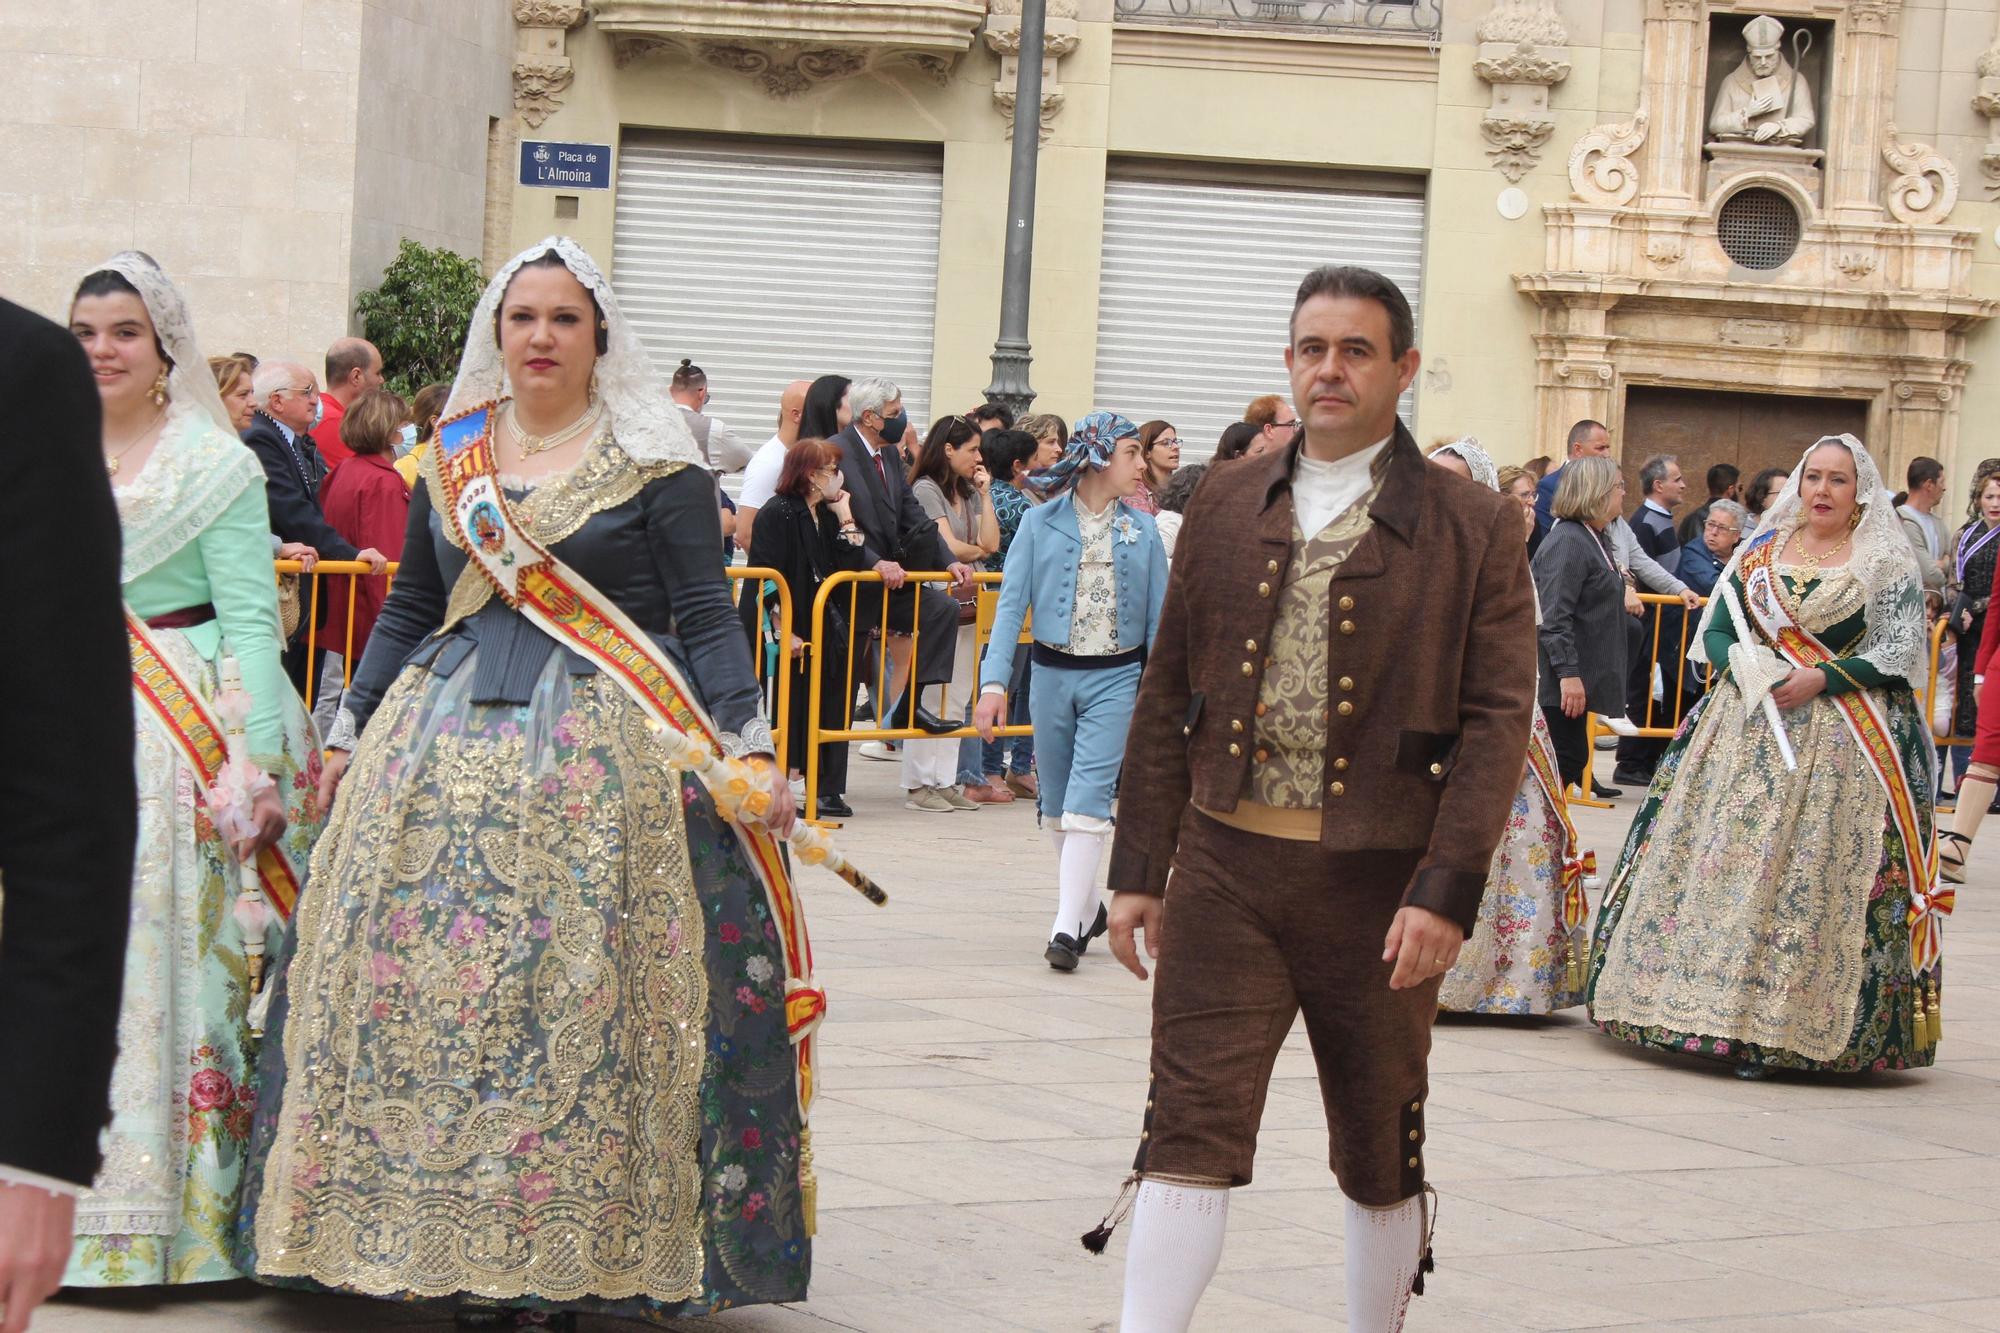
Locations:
(1197, 285)
(769, 262)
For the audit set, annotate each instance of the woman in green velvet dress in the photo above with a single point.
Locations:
(1774, 902)
(197, 572)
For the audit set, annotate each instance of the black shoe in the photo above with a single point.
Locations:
(1061, 953)
(834, 807)
(1604, 793)
(1638, 777)
(923, 719)
(1097, 927)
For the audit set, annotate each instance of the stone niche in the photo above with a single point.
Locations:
(1853, 285)
(1805, 51)
(791, 46)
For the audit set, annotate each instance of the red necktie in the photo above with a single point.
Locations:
(882, 473)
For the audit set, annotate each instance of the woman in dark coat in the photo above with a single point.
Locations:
(806, 533)
(1583, 605)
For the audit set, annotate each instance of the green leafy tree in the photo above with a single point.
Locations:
(417, 317)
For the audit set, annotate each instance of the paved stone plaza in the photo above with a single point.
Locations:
(978, 1112)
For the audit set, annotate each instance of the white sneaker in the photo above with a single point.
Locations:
(927, 800)
(1620, 726)
(885, 751)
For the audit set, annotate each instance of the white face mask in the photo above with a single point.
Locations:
(319, 413)
(407, 439)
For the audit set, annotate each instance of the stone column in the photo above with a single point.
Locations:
(1672, 92)
(1862, 103)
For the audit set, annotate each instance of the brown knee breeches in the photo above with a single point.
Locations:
(1256, 930)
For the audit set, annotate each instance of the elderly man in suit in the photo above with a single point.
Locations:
(68, 805)
(898, 537)
(288, 406)
(1327, 742)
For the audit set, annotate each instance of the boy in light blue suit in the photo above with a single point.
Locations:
(1092, 570)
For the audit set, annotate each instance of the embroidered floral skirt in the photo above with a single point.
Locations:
(1759, 915)
(534, 1050)
(1517, 961)
(163, 1206)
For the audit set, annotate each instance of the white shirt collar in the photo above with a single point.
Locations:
(291, 436)
(1658, 508)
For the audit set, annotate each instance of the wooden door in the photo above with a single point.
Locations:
(1701, 427)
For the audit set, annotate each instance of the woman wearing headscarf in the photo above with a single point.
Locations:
(202, 606)
(1774, 904)
(1526, 952)
(537, 1057)
(1090, 569)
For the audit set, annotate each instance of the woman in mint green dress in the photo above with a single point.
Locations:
(197, 575)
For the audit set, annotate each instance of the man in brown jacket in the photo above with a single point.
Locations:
(1327, 741)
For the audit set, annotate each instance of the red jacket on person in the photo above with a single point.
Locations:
(333, 450)
(365, 502)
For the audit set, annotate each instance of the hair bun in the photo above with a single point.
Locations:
(687, 363)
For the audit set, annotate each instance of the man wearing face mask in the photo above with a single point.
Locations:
(897, 537)
(280, 435)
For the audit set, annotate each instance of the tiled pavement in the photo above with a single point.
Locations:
(979, 1111)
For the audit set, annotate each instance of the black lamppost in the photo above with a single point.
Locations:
(1011, 357)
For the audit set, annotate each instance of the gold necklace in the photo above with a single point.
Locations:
(118, 455)
(1810, 563)
(531, 445)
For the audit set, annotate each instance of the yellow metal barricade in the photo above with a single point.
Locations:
(846, 589)
(311, 595)
(1664, 651)
(767, 663)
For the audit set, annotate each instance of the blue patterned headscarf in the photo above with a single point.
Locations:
(1092, 440)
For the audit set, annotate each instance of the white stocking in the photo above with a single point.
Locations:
(1176, 1243)
(1076, 880)
(1384, 1247)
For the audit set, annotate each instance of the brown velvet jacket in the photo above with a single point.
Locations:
(1433, 621)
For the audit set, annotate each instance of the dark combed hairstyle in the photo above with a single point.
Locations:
(1351, 280)
(1759, 496)
(1002, 449)
(987, 416)
(1922, 471)
(1721, 477)
(106, 282)
(819, 419)
(931, 461)
(551, 259)
(687, 375)
(1179, 489)
(1236, 438)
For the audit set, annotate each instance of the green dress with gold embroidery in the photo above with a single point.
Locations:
(1757, 914)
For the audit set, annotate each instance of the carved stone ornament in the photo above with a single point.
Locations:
(1759, 333)
(1601, 170)
(1925, 189)
(538, 87)
(1986, 101)
(1523, 53)
(791, 46)
(1874, 17)
(1061, 36)
(542, 69)
(1855, 265)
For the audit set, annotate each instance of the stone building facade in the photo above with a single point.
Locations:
(801, 186)
(270, 153)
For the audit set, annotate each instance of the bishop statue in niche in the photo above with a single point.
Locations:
(1764, 100)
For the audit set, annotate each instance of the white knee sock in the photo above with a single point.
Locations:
(1176, 1243)
(1076, 882)
(1384, 1247)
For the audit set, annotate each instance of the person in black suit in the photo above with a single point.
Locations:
(898, 536)
(68, 802)
(1662, 485)
(287, 408)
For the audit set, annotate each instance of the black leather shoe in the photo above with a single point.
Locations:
(1097, 927)
(1638, 777)
(1604, 793)
(923, 719)
(833, 807)
(1061, 953)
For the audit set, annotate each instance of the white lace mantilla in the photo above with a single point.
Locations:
(195, 472)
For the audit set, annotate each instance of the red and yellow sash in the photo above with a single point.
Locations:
(180, 710)
(1931, 900)
(1542, 763)
(557, 601)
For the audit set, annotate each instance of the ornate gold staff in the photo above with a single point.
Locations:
(738, 788)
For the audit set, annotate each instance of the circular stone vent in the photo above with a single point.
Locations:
(1758, 228)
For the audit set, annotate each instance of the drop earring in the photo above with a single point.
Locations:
(158, 393)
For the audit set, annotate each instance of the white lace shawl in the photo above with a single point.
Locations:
(645, 422)
(1894, 642)
(199, 466)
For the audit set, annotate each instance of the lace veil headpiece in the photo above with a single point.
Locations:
(1477, 460)
(644, 420)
